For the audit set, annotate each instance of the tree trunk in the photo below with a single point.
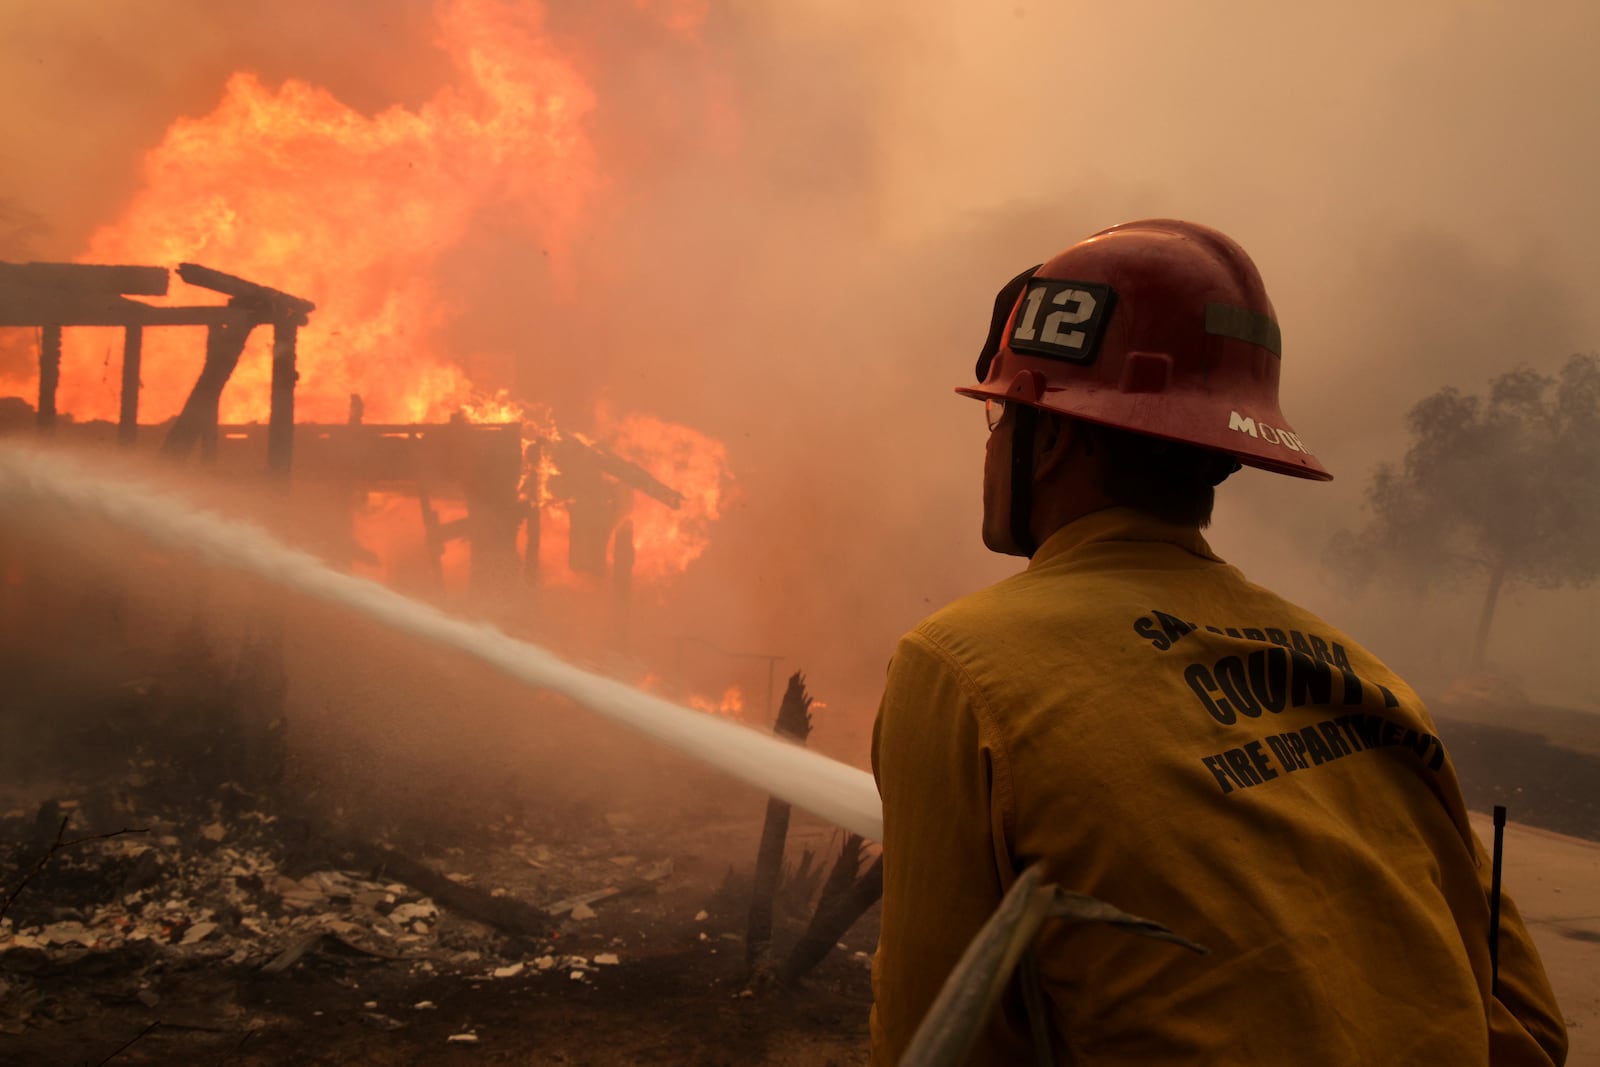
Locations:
(1491, 596)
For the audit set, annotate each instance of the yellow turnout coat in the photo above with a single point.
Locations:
(1168, 737)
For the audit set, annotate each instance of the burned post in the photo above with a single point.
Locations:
(622, 559)
(49, 376)
(280, 418)
(533, 518)
(486, 461)
(433, 536)
(845, 897)
(52, 296)
(197, 422)
(249, 305)
(794, 723)
(132, 357)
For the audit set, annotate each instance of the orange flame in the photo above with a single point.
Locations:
(293, 189)
(289, 187)
(497, 408)
(696, 465)
(730, 706)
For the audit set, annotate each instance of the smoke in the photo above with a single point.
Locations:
(810, 205)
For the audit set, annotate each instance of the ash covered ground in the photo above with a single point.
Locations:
(176, 889)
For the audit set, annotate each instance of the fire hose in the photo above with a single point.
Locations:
(836, 791)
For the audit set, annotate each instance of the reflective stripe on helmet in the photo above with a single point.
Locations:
(1242, 324)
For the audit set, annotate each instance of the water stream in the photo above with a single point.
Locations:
(38, 480)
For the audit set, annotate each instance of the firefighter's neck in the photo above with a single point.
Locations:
(1066, 477)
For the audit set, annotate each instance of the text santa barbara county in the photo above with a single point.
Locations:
(1291, 670)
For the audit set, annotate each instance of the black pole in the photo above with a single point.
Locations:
(1494, 900)
(794, 722)
(280, 415)
(49, 377)
(132, 355)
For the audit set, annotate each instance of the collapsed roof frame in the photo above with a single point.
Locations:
(53, 296)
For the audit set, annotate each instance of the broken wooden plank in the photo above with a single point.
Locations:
(87, 278)
(646, 881)
(794, 722)
(277, 303)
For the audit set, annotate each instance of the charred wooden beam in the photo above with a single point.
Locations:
(197, 422)
(794, 722)
(49, 376)
(533, 519)
(392, 456)
(87, 278)
(594, 506)
(572, 453)
(504, 913)
(533, 523)
(622, 559)
(492, 521)
(132, 356)
(432, 534)
(41, 307)
(835, 913)
(276, 304)
(280, 418)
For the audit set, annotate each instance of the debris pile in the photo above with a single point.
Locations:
(228, 883)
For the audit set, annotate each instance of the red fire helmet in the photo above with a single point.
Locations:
(1160, 327)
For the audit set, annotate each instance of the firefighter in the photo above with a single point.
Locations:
(1158, 732)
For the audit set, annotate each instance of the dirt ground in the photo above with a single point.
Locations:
(681, 1006)
(175, 891)
(653, 974)
(1555, 880)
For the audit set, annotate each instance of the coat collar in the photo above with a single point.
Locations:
(1119, 524)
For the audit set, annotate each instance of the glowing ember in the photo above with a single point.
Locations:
(497, 408)
(730, 706)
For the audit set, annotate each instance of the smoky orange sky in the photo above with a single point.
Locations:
(806, 208)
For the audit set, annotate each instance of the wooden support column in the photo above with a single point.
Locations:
(534, 524)
(622, 559)
(132, 356)
(49, 377)
(794, 723)
(280, 422)
(533, 521)
(197, 422)
(432, 534)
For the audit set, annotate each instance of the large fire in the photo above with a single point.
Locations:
(692, 463)
(289, 187)
(292, 188)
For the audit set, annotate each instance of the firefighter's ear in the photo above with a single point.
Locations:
(1053, 438)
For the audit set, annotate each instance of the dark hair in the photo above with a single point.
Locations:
(1166, 480)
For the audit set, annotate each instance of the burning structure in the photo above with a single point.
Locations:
(318, 251)
(504, 473)
(248, 899)
(219, 886)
